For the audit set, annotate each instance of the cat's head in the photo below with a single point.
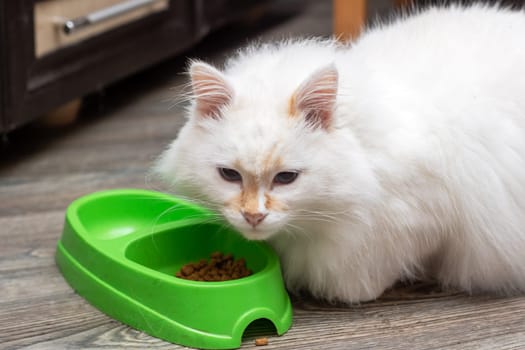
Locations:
(264, 161)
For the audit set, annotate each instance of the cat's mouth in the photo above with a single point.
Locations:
(256, 234)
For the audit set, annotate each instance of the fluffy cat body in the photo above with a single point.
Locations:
(408, 145)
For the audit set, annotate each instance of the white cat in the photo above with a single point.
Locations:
(399, 156)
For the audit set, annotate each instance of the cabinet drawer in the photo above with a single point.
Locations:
(50, 17)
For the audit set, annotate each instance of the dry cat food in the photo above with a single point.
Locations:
(221, 267)
(261, 341)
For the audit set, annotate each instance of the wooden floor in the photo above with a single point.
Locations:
(42, 170)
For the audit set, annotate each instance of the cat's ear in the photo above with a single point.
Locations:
(316, 96)
(210, 88)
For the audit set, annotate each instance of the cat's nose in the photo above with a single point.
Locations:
(254, 219)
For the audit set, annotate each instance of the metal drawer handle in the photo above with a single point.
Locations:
(70, 26)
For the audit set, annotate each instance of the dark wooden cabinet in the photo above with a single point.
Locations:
(34, 80)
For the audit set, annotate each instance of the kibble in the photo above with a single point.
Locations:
(220, 267)
(261, 341)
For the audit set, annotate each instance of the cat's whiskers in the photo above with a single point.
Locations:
(334, 217)
(150, 179)
(182, 96)
(317, 215)
(210, 217)
(292, 230)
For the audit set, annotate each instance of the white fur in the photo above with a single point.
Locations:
(422, 172)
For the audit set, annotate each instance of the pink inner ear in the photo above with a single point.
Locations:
(316, 97)
(210, 89)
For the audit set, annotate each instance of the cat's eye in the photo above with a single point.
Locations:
(230, 175)
(285, 177)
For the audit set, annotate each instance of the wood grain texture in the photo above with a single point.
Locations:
(43, 170)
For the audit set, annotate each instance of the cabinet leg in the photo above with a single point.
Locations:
(63, 115)
(349, 17)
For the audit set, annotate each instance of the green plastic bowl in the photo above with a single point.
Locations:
(120, 250)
